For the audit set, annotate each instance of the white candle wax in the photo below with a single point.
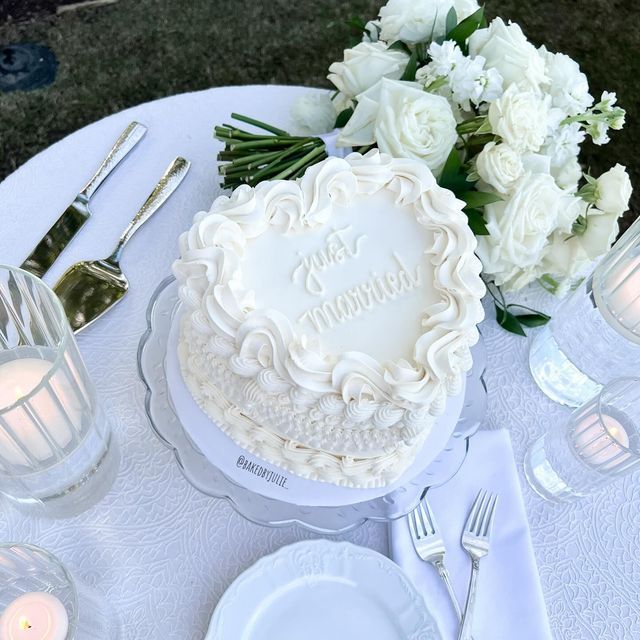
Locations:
(603, 448)
(53, 408)
(622, 293)
(34, 616)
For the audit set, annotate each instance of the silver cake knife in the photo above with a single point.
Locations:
(78, 212)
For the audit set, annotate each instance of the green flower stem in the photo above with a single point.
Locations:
(262, 143)
(244, 136)
(309, 158)
(252, 160)
(258, 123)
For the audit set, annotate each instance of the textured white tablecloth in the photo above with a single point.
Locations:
(159, 550)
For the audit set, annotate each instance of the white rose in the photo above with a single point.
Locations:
(464, 8)
(568, 175)
(602, 230)
(520, 118)
(420, 20)
(613, 190)
(314, 113)
(371, 31)
(405, 122)
(499, 166)
(520, 226)
(364, 65)
(507, 49)
(569, 256)
(567, 85)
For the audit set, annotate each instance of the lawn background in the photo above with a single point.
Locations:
(120, 55)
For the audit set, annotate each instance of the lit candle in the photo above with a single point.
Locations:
(601, 440)
(34, 616)
(619, 292)
(46, 419)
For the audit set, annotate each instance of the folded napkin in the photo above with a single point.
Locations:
(509, 602)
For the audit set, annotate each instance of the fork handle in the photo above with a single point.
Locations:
(467, 618)
(444, 575)
(128, 139)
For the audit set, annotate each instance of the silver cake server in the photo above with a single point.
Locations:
(90, 288)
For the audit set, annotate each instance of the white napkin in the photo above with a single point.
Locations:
(509, 602)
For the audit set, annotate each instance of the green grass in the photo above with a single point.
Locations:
(138, 50)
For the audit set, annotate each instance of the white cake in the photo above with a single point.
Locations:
(327, 319)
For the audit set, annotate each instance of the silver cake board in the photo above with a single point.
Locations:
(269, 511)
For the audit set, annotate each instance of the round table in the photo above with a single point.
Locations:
(158, 549)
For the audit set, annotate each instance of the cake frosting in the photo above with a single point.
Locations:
(328, 318)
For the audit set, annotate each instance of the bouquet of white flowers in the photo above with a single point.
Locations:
(497, 120)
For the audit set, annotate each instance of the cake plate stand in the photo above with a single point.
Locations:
(208, 479)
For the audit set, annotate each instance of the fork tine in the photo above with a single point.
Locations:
(432, 518)
(482, 513)
(427, 516)
(469, 526)
(483, 520)
(419, 511)
(486, 530)
(413, 526)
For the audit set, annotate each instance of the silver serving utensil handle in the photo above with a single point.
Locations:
(169, 182)
(127, 140)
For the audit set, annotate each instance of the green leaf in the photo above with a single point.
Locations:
(508, 321)
(451, 169)
(399, 46)
(412, 67)
(485, 127)
(452, 176)
(357, 23)
(479, 198)
(452, 20)
(462, 31)
(477, 223)
(343, 118)
(537, 319)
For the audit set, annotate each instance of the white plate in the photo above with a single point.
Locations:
(323, 590)
(228, 456)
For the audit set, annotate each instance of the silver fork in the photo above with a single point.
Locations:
(429, 545)
(475, 541)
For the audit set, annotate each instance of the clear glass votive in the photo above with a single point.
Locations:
(40, 600)
(594, 335)
(57, 453)
(600, 443)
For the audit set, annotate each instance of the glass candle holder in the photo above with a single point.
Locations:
(40, 600)
(600, 443)
(594, 336)
(57, 454)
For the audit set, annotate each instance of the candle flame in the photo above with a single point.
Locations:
(24, 624)
(19, 392)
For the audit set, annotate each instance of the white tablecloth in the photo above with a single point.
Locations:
(159, 550)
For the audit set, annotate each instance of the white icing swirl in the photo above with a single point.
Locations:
(271, 382)
(323, 185)
(360, 411)
(331, 404)
(243, 207)
(386, 415)
(282, 202)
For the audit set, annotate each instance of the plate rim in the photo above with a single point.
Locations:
(323, 546)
